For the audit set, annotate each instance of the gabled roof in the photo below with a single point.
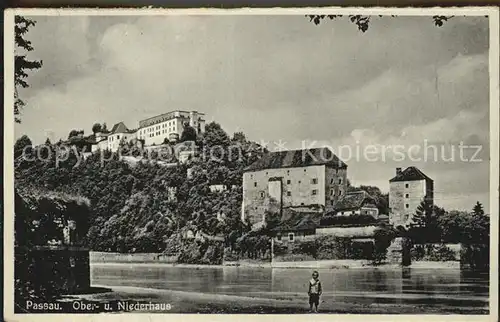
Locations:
(297, 158)
(354, 200)
(119, 128)
(410, 174)
(299, 221)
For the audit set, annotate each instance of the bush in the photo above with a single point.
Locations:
(280, 248)
(331, 247)
(309, 247)
(383, 238)
(230, 256)
(440, 253)
(417, 252)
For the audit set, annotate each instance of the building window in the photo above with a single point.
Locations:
(340, 192)
(331, 181)
(407, 195)
(267, 173)
(314, 192)
(407, 206)
(288, 193)
(262, 194)
(278, 237)
(288, 181)
(406, 185)
(290, 237)
(299, 181)
(287, 172)
(255, 184)
(332, 192)
(332, 202)
(340, 180)
(301, 203)
(305, 170)
(314, 181)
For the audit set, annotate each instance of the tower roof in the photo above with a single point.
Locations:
(121, 128)
(410, 174)
(296, 159)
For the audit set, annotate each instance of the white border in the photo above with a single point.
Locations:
(493, 14)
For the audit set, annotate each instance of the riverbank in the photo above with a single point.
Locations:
(153, 259)
(170, 301)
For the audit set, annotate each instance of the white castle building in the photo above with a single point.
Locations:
(152, 131)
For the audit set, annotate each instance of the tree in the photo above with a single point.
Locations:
(478, 209)
(425, 223)
(188, 134)
(104, 128)
(362, 22)
(215, 136)
(74, 133)
(96, 128)
(47, 142)
(21, 63)
(239, 137)
(20, 145)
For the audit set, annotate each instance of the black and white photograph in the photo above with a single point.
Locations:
(251, 161)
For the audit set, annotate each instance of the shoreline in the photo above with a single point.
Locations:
(198, 302)
(290, 265)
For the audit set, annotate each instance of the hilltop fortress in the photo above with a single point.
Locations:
(151, 131)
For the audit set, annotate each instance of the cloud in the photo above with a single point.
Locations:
(272, 77)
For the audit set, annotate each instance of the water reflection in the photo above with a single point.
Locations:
(444, 287)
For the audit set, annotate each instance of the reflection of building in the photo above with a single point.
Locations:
(313, 178)
(406, 191)
(50, 229)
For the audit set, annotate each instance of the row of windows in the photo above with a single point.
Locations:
(165, 127)
(150, 135)
(314, 192)
(111, 138)
(313, 181)
(288, 173)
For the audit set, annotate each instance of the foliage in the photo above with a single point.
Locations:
(478, 209)
(466, 228)
(96, 128)
(132, 206)
(188, 134)
(308, 247)
(431, 252)
(74, 133)
(21, 143)
(22, 63)
(425, 227)
(383, 237)
(363, 22)
(348, 221)
(331, 247)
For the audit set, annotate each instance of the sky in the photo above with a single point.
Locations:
(282, 80)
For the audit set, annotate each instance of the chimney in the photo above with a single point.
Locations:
(398, 171)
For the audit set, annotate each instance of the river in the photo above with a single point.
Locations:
(443, 290)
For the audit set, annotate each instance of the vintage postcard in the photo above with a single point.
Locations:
(313, 163)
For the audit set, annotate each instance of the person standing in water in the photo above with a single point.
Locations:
(314, 292)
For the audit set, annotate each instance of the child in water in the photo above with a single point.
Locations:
(314, 291)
